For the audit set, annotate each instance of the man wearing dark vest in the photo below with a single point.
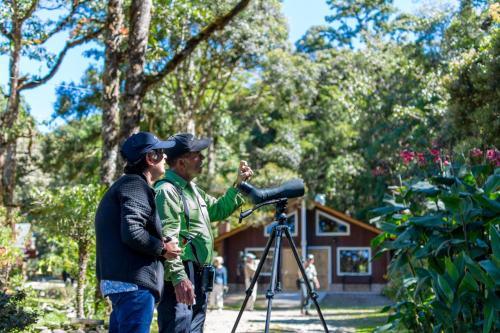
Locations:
(129, 243)
(186, 211)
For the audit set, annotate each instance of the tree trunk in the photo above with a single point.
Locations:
(140, 18)
(9, 185)
(8, 144)
(83, 259)
(111, 91)
(191, 124)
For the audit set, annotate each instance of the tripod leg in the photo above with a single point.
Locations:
(278, 272)
(312, 294)
(254, 279)
(274, 275)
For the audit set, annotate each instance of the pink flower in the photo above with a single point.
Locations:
(491, 154)
(407, 156)
(446, 162)
(434, 152)
(421, 159)
(377, 171)
(476, 152)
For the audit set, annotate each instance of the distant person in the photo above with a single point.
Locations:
(250, 268)
(129, 243)
(216, 300)
(66, 277)
(312, 276)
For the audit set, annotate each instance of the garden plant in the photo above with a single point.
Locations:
(443, 232)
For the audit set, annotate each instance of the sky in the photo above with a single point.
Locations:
(301, 15)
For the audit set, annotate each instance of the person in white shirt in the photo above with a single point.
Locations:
(250, 268)
(312, 276)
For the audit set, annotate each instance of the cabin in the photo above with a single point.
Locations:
(340, 244)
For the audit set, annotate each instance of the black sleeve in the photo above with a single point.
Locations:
(136, 210)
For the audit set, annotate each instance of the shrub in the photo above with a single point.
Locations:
(443, 231)
(15, 316)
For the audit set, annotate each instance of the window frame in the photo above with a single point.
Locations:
(326, 234)
(341, 248)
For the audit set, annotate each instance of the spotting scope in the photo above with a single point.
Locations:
(290, 189)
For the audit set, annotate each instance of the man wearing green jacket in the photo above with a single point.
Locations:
(186, 212)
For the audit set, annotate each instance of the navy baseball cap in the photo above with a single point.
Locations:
(185, 143)
(141, 143)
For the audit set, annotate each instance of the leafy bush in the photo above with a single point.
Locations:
(15, 316)
(443, 231)
(68, 213)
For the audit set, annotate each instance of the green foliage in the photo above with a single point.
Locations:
(474, 87)
(443, 231)
(9, 255)
(71, 153)
(68, 210)
(68, 213)
(15, 315)
(56, 254)
(41, 22)
(350, 22)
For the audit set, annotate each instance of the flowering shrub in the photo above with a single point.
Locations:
(443, 231)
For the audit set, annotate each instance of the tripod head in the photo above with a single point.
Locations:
(280, 208)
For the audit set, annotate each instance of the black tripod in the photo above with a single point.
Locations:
(277, 234)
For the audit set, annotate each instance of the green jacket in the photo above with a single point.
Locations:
(202, 212)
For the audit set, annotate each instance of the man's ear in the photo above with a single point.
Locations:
(180, 163)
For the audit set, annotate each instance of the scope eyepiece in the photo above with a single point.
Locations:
(290, 189)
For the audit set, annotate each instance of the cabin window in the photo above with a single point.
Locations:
(354, 261)
(327, 225)
(291, 222)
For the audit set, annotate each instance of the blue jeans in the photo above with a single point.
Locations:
(132, 311)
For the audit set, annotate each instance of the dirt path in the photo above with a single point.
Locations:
(348, 313)
(287, 321)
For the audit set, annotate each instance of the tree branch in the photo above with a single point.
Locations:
(191, 44)
(30, 11)
(214, 101)
(35, 83)
(66, 20)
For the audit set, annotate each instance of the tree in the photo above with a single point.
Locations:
(70, 154)
(473, 82)
(24, 33)
(69, 212)
(137, 80)
(197, 93)
(350, 23)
